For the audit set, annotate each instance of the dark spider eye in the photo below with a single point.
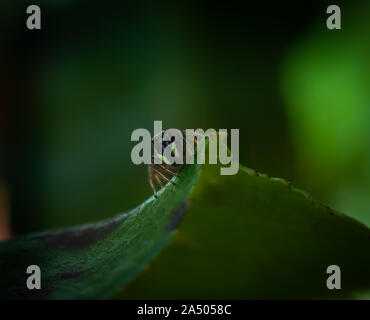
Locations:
(165, 144)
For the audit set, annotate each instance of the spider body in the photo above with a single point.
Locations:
(160, 174)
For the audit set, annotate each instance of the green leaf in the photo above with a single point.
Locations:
(95, 260)
(251, 236)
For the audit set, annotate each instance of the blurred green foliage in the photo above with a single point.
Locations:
(72, 93)
(325, 81)
(256, 237)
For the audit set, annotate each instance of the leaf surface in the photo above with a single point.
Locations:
(250, 236)
(95, 260)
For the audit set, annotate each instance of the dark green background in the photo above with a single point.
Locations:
(72, 93)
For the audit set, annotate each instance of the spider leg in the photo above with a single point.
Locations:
(158, 179)
(164, 177)
(150, 178)
(198, 136)
(166, 169)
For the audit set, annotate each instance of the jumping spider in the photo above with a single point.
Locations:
(163, 173)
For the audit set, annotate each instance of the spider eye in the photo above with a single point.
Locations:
(165, 144)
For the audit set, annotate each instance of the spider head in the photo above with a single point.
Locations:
(160, 144)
